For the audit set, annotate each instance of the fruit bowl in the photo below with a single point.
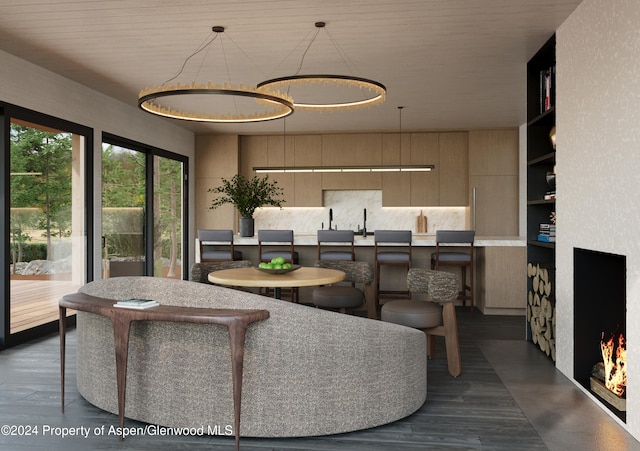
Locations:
(278, 271)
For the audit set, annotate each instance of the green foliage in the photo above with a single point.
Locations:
(41, 162)
(32, 251)
(247, 194)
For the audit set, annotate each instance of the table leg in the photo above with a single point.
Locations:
(277, 293)
(237, 334)
(121, 326)
(63, 344)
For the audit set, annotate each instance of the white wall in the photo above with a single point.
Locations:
(598, 163)
(30, 86)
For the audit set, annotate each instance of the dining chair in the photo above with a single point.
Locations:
(435, 316)
(342, 297)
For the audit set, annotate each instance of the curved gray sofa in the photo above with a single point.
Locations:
(307, 371)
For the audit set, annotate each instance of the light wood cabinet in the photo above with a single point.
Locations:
(425, 186)
(493, 173)
(500, 283)
(454, 169)
(308, 187)
(352, 150)
(217, 158)
(396, 187)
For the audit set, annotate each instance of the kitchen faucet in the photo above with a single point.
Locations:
(364, 224)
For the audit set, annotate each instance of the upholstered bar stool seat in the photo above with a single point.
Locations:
(416, 314)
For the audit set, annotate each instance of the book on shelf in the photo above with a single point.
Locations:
(549, 195)
(547, 233)
(547, 88)
(136, 303)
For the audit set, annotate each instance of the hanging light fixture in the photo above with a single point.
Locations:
(358, 91)
(193, 101)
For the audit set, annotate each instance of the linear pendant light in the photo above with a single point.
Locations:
(320, 169)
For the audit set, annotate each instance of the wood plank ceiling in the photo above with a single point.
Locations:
(451, 63)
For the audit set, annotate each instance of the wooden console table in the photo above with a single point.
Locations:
(236, 322)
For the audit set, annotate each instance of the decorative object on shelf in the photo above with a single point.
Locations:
(552, 217)
(199, 101)
(247, 195)
(362, 91)
(547, 88)
(552, 137)
(551, 179)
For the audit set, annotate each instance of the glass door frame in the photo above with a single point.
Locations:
(7, 113)
(151, 152)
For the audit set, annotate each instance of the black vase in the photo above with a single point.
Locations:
(246, 226)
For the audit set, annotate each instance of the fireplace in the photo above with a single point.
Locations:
(600, 302)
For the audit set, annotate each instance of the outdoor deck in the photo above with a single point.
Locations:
(35, 302)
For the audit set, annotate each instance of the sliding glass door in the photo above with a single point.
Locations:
(46, 231)
(143, 200)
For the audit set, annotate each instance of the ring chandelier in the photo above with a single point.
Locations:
(156, 100)
(370, 92)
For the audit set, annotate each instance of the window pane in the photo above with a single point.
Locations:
(167, 175)
(123, 202)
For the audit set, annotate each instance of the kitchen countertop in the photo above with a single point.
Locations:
(419, 239)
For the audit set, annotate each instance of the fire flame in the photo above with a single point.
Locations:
(615, 370)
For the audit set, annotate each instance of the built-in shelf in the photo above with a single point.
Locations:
(541, 201)
(546, 158)
(541, 160)
(541, 244)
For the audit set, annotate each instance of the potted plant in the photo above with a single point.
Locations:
(247, 195)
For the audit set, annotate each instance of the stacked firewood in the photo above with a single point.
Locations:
(541, 308)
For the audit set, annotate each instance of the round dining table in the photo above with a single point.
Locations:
(254, 278)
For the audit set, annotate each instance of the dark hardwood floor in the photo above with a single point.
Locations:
(508, 397)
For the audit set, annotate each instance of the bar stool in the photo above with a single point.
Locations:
(391, 238)
(333, 237)
(436, 316)
(462, 259)
(275, 238)
(270, 238)
(210, 252)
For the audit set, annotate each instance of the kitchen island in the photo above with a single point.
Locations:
(500, 266)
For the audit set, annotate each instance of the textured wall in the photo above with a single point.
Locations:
(29, 86)
(598, 161)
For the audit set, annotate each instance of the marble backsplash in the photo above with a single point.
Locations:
(348, 213)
